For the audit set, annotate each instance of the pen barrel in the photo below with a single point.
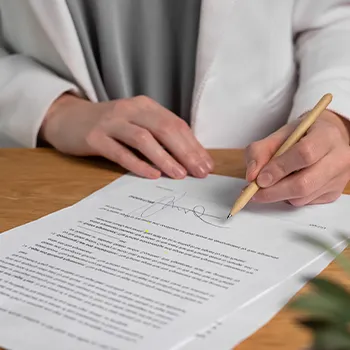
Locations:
(305, 124)
(242, 201)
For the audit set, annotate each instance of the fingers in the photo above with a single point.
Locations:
(192, 140)
(142, 140)
(314, 171)
(189, 152)
(324, 198)
(326, 194)
(176, 136)
(309, 150)
(106, 147)
(318, 142)
(302, 185)
(259, 153)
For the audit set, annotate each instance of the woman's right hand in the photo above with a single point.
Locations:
(114, 129)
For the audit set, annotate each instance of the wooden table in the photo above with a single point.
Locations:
(34, 183)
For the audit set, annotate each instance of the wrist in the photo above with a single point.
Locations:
(340, 122)
(57, 110)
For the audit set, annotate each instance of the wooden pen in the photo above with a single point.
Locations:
(298, 133)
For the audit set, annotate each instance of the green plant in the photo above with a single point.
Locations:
(327, 307)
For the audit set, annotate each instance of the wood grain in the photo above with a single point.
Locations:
(37, 182)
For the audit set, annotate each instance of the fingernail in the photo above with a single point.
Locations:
(251, 166)
(201, 171)
(265, 179)
(178, 172)
(154, 174)
(210, 165)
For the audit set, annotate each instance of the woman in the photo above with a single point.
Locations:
(168, 78)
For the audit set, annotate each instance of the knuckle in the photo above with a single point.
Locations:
(123, 158)
(91, 138)
(333, 134)
(192, 157)
(144, 101)
(303, 186)
(280, 166)
(165, 129)
(128, 107)
(180, 124)
(253, 148)
(141, 137)
(122, 109)
(122, 104)
(334, 131)
(307, 151)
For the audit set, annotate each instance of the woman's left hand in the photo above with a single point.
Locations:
(314, 171)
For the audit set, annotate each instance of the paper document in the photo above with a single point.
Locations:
(154, 264)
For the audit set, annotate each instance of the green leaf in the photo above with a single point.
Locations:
(332, 338)
(322, 307)
(345, 263)
(314, 306)
(328, 336)
(333, 291)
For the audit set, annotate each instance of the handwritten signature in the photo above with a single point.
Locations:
(171, 202)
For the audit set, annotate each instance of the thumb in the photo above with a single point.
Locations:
(259, 153)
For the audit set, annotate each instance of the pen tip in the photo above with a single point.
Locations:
(228, 216)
